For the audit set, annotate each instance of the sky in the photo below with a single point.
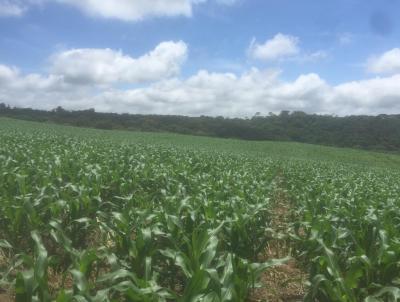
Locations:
(231, 58)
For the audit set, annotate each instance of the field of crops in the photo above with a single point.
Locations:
(90, 215)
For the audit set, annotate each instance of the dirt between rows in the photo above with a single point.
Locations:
(284, 283)
(5, 298)
(4, 294)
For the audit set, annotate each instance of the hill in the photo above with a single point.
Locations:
(379, 133)
(257, 149)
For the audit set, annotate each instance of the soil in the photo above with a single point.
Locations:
(284, 283)
(5, 298)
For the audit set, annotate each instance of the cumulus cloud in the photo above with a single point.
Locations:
(136, 10)
(378, 95)
(125, 10)
(12, 79)
(283, 47)
(387, 63)
(38, 91)
(7, 73)
(106, 66)
(132, 10)
(207, 93)
(280, 46)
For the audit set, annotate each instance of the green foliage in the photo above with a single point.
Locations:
(346, 229)
(103, 219)
(89, 215)
(380, 133)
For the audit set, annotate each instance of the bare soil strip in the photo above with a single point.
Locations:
(283, 283)
(5, 298)
(5, 295)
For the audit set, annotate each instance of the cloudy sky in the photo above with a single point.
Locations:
(202, 57)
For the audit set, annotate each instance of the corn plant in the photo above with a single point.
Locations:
(96, 218)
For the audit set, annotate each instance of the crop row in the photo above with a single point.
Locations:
(346, 229)
(92, 220)
(87, 216)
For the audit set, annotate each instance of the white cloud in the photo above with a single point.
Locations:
(284, 47)
(203, 93)
(7, 73)
(280, 46)
(106, 66)
(38, 91)
(207, 93)
(132, 10)
(378, 95)
(125, 10)
(254, 91)
(11, 79)
(387, 63)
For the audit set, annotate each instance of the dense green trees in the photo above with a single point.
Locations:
(380, 132)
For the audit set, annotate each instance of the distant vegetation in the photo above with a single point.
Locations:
(380, 132)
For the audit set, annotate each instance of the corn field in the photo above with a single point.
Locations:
(88, 215)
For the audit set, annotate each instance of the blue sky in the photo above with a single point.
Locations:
(192, 57)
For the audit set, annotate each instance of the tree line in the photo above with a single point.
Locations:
(381, 132)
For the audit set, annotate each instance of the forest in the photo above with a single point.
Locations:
(378, 133)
